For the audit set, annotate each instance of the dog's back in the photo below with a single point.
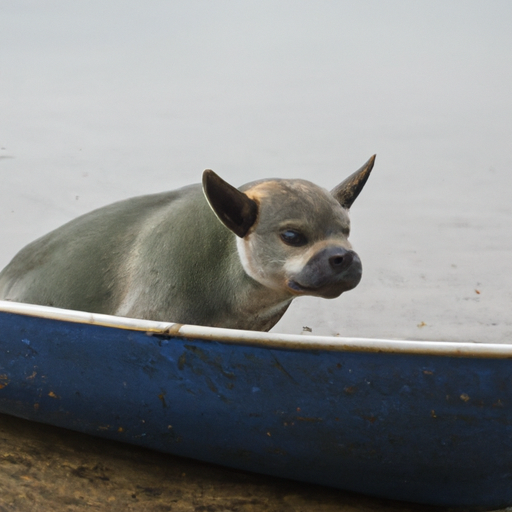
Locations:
(167, 257)
(96, 262)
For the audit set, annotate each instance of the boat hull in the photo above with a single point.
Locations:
(419, 427)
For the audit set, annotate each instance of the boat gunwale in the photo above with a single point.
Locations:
(265, 339)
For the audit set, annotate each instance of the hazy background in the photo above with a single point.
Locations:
(100, 101)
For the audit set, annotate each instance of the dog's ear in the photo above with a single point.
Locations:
(235, 210)
(348, 190)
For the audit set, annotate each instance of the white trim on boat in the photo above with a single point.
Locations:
(269, 340)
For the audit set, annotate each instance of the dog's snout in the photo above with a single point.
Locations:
(341, 260)
(332, 260)
(328, 273)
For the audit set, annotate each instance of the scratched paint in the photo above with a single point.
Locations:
(4, 381)
(409, 426)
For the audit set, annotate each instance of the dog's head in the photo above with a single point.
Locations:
(292, 234)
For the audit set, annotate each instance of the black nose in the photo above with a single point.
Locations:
(341, 260)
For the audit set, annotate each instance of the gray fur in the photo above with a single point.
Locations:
(167, 257)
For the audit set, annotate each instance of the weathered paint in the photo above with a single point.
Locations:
(264, 339)
(384, 418)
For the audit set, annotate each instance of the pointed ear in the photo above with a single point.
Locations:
(234, 209)
(348, 190)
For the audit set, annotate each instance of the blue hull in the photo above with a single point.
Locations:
(421, 422)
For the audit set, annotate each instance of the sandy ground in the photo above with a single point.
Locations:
(44, 468)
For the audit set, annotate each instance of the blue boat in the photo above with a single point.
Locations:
(424, 422)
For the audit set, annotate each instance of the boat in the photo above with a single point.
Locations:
(418, 421)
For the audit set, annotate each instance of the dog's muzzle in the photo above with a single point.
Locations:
(328, 273)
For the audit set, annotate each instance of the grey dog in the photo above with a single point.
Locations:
(167, 257)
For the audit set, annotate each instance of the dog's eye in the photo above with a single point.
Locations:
(292, 237)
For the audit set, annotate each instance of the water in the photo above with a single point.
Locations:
(103, 101)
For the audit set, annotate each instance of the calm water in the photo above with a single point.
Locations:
(102, 101)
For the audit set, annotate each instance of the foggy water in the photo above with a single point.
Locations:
(101, 101)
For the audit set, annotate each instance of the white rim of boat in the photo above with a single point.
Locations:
(266, 339)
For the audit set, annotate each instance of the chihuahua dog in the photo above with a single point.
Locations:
(167, 257)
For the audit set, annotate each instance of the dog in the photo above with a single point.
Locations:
(213, 255)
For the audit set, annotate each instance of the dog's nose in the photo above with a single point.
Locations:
(340, 260)
(328, 273)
